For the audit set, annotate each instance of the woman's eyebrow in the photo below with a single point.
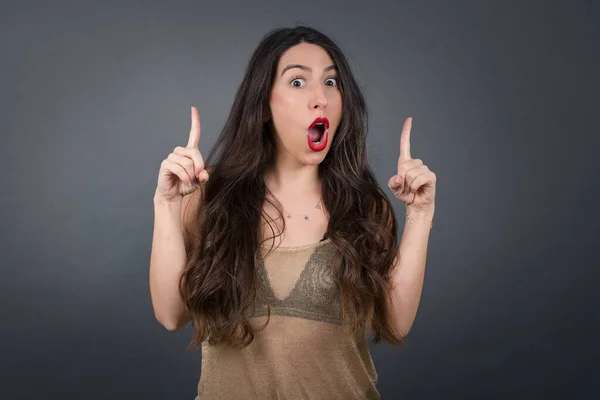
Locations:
(305, 68)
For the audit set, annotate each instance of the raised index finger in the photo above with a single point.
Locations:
(405, 140)
(194, 139)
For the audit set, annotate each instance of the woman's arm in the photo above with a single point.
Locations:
(409, 271)
(167, 260)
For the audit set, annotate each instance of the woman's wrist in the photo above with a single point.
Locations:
(420, 216)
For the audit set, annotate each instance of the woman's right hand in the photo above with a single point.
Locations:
(182, 172)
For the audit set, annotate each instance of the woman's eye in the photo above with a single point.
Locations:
(334, 81)
(296, 82)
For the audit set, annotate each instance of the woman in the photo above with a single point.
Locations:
(287, 255)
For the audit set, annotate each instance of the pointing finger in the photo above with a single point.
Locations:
(194, 139)
(405, 140)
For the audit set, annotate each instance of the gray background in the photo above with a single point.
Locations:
(504, 96)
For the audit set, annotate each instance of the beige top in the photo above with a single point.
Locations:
(305, 351)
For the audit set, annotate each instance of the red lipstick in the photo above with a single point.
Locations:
(320, 120)
(318, 130)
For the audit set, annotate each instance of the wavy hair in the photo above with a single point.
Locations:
(219, 285)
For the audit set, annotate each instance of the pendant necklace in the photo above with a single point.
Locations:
(318, 207)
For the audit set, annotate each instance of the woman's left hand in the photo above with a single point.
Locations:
(414, 184)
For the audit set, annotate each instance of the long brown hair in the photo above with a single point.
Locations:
(219, 283)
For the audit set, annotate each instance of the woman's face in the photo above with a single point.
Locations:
(305, 88)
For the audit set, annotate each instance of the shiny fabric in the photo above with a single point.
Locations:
(305, 351)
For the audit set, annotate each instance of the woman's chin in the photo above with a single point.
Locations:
(315, 157)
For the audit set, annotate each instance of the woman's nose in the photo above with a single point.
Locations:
(318, 98)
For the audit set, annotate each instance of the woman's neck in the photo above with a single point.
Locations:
(298, 182)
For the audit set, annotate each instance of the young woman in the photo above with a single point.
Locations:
(286, 257)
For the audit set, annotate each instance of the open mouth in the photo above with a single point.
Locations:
(316, 132)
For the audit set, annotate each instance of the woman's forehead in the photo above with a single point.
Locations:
(313, 57)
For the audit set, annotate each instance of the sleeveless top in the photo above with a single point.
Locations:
(305, 351)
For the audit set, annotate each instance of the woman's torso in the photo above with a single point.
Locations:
(305, 351)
